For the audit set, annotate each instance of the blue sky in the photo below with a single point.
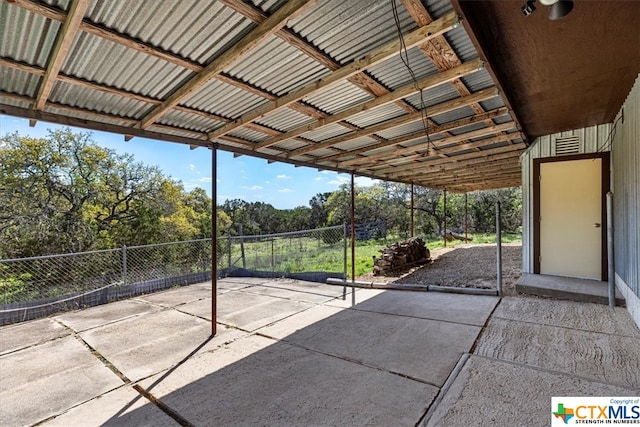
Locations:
(254, 180)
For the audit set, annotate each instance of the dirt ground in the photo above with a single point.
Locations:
(468, 266)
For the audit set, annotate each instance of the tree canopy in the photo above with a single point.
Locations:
(64, 193)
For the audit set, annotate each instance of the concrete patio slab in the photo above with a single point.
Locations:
(419, 348)
(23, 335)
(251, 311)
(81, 320)
(140, 347)
(298, 321)
(121, 407)
(46, 379)
(302, 295)
(258, 381)
(570, 314)
(490, 392)
(176, 297)
(602, 357)
(361, 295)
(468, 309)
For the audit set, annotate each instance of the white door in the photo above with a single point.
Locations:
(571, 218)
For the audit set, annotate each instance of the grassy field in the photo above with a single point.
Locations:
(307, 254)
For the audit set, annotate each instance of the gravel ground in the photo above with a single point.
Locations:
(467, 266)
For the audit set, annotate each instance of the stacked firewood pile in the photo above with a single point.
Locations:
(398, 255)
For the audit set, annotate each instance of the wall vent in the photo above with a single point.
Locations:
(567, 145)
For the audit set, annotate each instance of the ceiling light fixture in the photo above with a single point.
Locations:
(558, 8)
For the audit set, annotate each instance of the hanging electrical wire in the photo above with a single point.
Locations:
(404, 56)
(606, 146)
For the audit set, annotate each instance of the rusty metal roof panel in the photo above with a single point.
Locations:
(347, 30)
(469, 128)
(377, 115)
(326, 132)
(99, 60)
(82, 97)
(223, 99)
(338, 97)
(18, 82)
(277, 67)
(199, 30)
(394, 73)
(25, 36)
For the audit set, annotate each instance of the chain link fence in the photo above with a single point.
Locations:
(39, 286)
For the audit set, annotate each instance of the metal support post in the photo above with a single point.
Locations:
(214, 235)
(610, 259)
(412, 210)
(499, 249)
(353, 238)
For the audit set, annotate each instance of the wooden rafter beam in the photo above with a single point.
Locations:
(433, 129)
(60, 50)
(428, 82)
(361, 80)
(288, 11)
(398, 171)
(439, 109)
(438, 27)
(439, 145)
(9, 63)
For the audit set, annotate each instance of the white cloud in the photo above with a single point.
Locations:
(192, 167)
(327, 172)
(318, 178)
(363, 181)
(206, 179)
(339, 180)
(252, 188)
(285, 190)
(283, 176)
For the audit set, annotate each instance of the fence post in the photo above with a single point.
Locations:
(244, 261)
(273, 261)
(344, 261)
(124, 265)
(499, 249)
(229, 251)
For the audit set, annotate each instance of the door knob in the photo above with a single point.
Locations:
(596, 225)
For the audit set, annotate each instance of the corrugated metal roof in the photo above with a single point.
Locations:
(377, 115)
(77, 96)
(347, 30)
(394, 73)
(199, 30)
(19, 82)
(223, 99)
(161, 34)
(338, 97)
(326, 132)
(277, 67)
(99, 60)
(461, 44)
(284, 119)
(189, 121)
(25, 36)
(433, 96)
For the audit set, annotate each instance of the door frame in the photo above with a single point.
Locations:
(606, 185)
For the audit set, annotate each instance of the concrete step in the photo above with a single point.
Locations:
(567, 288)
